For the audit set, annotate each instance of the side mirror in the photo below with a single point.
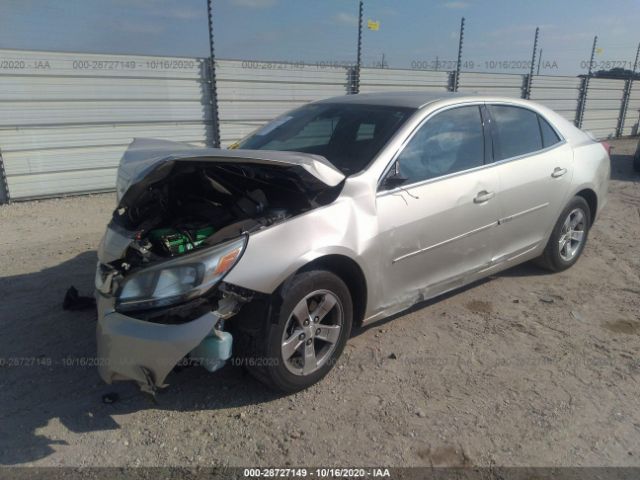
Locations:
(393, 179)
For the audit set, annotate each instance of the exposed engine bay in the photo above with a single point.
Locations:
(199, 205)
(184, 219)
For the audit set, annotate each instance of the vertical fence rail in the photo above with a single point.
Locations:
(213, 86)
(582, 99)
(456, 75)
(623, 107)
(356, 72)
(627, 94)
(4, 188)
(584, 89)
(526, 85)
(527, 90)
(352, 73)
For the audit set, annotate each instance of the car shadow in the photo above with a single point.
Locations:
(622, 168)
(48, 374)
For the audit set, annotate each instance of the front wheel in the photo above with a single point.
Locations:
(307, 330)
(569, 236)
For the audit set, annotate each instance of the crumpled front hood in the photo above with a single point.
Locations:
(150, 160)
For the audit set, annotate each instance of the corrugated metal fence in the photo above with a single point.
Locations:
(252, 93)
(65, 119)
(632, 114)
(388, 80)
(508, 85)
(602, 106)
(561, 94)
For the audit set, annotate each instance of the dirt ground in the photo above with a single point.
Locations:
(523, 369)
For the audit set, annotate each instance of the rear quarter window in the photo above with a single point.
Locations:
(549, 135)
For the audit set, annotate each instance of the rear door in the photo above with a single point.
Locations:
(534, 168)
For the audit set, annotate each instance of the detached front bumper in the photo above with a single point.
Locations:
(132, 349)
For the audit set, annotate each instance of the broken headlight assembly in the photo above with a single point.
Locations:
(180, 279)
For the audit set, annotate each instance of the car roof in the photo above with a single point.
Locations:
(417, 99)
(409, 99)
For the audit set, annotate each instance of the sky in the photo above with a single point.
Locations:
(498, 35)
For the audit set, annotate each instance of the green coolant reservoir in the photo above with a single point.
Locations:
(177, 242)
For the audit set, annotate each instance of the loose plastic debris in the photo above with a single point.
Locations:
(73, 301)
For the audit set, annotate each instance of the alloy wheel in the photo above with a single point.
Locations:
(572, 234)
(312, 332)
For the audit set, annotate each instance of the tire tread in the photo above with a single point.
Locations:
(550, 260)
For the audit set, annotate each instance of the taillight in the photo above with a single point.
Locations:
(607, 147)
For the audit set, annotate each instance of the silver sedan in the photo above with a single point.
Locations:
(334, 215)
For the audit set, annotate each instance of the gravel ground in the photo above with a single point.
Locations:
(523, 369)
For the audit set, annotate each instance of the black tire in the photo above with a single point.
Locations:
(551, 258)
(261, 351)
(636, 160)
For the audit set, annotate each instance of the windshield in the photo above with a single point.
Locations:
(348, 135)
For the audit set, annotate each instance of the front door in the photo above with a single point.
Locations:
(437, 226)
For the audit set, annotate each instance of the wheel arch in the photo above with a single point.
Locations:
(351, 274)
(591, 197)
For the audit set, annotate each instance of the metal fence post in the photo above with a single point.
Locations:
(582, 98)
(584, 88)
(526, 81)
(4, 187)
(456, 78)
(213, 88)
(623, 107)
(351, 80)
(356, 73)
(527, 91)
(451, 80)
(625, 96)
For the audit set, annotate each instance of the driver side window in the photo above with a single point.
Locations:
(451, 141)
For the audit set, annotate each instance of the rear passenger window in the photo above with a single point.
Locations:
(549, 136)
(515, 131)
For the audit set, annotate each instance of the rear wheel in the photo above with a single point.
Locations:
(569, 236)
(308, 327)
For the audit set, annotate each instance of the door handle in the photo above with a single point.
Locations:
(483, 196)
(558, 172)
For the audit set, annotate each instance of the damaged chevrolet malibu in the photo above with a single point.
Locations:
(340, 213)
